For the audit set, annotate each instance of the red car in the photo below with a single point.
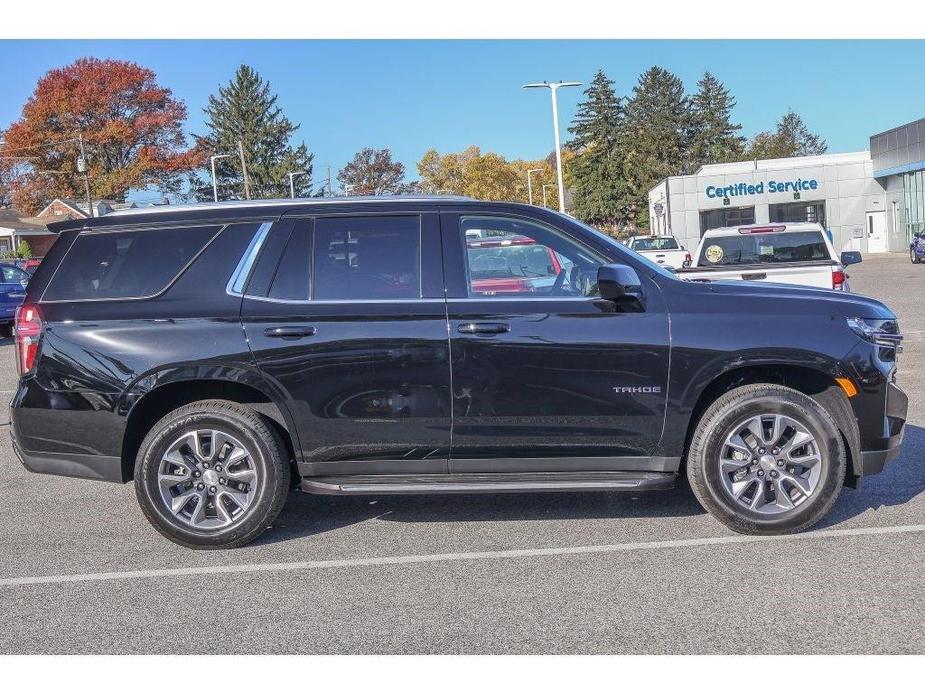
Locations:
(511, 264)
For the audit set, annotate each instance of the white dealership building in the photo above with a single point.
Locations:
(871, 201)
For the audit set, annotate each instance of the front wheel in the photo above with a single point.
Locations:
(913, 257)
(766, 460)
(212, 475)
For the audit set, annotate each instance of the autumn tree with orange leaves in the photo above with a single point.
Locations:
(131, 127)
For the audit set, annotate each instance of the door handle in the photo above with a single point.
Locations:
(484, 328)
(290, 332)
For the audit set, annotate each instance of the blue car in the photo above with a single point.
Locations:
(12, 292)
(917, 249)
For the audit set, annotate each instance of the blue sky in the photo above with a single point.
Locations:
(414, 95)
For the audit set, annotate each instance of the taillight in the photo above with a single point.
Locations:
(838, 279)
(28, 332)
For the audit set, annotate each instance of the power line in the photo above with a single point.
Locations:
(7, 150)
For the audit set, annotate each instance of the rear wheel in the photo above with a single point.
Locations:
(212, 475)
(766, 460)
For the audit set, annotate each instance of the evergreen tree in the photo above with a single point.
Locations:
(596, 170)
(791, 138)
(658, 131)
(714, 137)
(245, 110)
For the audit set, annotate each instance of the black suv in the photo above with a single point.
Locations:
(220, 355)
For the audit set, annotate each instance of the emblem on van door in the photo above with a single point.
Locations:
(637, 389)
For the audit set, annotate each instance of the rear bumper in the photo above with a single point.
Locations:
(95, 467)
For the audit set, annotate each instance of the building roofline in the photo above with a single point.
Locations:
(66, 204)
(898, 127)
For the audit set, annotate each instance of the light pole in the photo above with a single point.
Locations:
(82, 168)
(530, 184)
(292, 175)
(553, 87)
(214, 158)
(545, 186)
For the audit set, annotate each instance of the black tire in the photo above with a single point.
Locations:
(913, 257)
(703, 470)
(6, 330)
(271, 463)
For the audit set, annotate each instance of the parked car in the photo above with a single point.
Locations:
(917, 249)
(664, 250)
(504, 263)
(798, 253)
(28, 264)
(220, 354)
(13, 282)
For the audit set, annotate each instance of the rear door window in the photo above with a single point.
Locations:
(372, 258)
(756, 249)
(125, 264)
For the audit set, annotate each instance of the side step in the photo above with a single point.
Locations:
(474, 483)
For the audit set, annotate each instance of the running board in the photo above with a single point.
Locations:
(474, 483)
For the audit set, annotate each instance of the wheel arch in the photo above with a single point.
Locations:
(813, 382)
(152, 404)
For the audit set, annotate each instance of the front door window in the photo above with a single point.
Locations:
(511, 257)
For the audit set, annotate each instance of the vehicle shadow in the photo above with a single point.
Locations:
(901, 481)
(306, 514)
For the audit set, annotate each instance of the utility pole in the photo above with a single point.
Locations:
(553, 87)
(330, 190)
(247, 185)
(530, 172)
(82, 168)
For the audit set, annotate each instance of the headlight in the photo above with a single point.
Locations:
(879, 332)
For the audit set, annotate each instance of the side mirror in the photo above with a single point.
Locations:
(617, 282)
(850, 257)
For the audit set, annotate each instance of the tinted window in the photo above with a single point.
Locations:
(13, 275)
(367, 258)
(292, 273)
(782, 247)
(655, 243)
(123, 264)
(513, 257)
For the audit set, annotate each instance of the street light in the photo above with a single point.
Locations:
(292, 175)
(530, 184)
(553, 87)
(214, 158)
(545, 187)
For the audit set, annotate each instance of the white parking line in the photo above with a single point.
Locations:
(457, 556)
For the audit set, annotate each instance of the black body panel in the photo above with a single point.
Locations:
(392, 387)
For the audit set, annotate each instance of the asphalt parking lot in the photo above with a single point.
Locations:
(81, 571)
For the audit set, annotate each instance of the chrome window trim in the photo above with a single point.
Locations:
(235, 286)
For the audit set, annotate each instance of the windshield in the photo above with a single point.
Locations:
(654, 243)
(757, 249)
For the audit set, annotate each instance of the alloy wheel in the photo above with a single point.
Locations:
(770, 464)
(207, 479)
